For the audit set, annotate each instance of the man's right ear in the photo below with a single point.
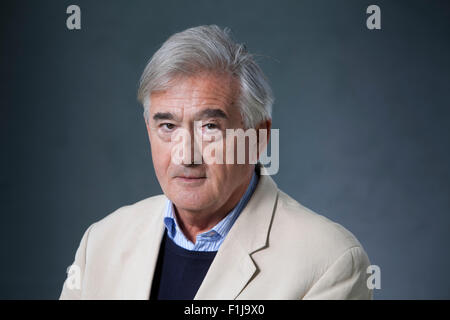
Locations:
(147, 125)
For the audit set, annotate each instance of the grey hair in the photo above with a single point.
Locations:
(209, 48)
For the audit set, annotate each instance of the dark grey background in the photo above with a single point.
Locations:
(363, 118)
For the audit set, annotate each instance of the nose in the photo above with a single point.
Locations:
(192, 149)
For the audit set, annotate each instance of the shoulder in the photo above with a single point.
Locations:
(310, 233)
(129, 217)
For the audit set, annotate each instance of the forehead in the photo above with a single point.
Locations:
(194, 93)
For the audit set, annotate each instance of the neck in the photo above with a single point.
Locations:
(193, 223)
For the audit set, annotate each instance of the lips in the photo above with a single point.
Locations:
(190, 181)
(193, 178)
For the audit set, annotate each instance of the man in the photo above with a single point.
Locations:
(222, 229)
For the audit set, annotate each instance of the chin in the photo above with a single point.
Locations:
(192, 207)
(191, 201)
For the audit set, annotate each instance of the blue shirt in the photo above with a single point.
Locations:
(213, 238)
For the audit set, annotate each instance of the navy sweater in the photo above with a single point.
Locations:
(179, 272)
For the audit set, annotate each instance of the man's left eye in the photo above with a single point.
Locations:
(211, 126)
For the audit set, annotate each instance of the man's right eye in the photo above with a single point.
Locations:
(167, 126)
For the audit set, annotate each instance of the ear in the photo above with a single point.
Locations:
(262, 145)
(267, 124)
(148, 131)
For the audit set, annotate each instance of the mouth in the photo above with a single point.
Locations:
(190, 180)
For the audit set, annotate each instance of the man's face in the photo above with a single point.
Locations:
(211, 99)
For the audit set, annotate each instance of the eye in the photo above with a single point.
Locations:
(167, 126)
(211, 126)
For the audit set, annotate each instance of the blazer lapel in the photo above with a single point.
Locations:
(233, 266)
(142, 254)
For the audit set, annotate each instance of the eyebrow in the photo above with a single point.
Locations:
(211, 113)
(204, 114)
(163, 116)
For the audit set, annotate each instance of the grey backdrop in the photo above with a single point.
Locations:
(363, 118)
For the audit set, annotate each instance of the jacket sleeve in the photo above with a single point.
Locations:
(73, 285)
(346, 278)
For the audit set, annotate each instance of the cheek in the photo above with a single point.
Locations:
(161, 156)
(218, 174)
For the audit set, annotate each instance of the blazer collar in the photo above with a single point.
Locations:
(233, 267)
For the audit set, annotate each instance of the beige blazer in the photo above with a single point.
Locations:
(277, 249)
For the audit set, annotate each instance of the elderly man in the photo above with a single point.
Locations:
(222, 229)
